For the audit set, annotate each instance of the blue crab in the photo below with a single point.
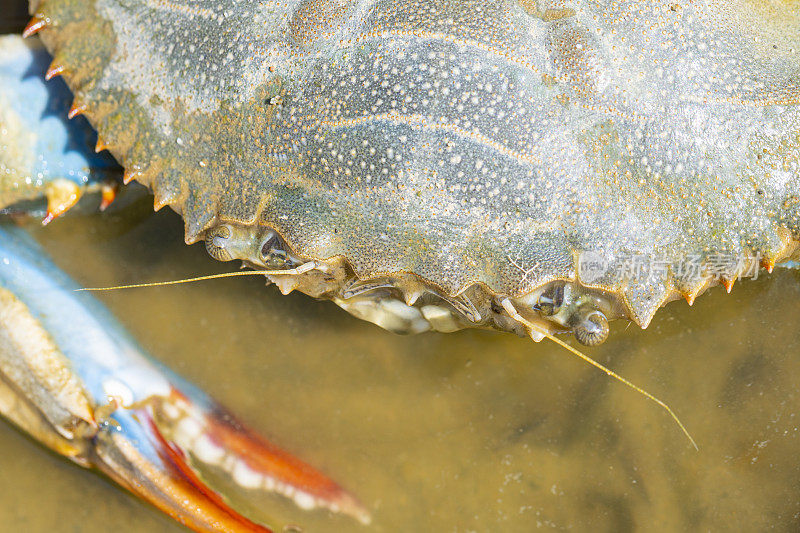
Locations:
(440, 165)
(529, 166)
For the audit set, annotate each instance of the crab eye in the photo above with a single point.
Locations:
(551, 300)
(591, 327)
(217, 242)
(273, 249)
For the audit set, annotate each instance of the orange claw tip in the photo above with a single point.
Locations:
(36, 24)
(213, 436)
(108, 192)
(61, 195)
(48, 218)
(53, 214)
(100, 146)
(75, 110)
(54, 70)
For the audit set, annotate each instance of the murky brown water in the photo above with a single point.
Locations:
(472, 431)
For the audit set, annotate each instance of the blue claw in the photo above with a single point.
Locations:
(42, 152)
(75, 380)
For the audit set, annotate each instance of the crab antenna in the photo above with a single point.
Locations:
(512, 311)
(506, 303)
(302, 269)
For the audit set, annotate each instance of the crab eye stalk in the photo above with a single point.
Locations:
(217, 241)
(591, 327)
(273, 250)
(551, 300)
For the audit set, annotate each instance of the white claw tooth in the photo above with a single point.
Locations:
(305, 501)
(228, 463)
(207, 451)
(269, 484)
(170, 410)
(186, 431)
(246, 477)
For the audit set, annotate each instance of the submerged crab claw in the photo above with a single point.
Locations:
(73, 379)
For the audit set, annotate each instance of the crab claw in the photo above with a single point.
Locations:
(135, 455)
(154, 449)
(72, 378)
(61, 195)
(43, 154)
(108, 193)
(191, 433)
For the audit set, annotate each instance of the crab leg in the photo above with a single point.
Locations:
(43, 154)
(72, 378)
